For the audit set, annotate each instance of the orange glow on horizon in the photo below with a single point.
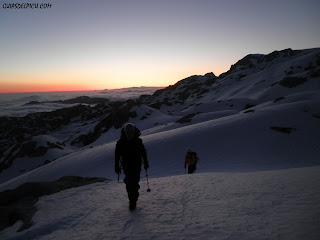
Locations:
(29, 87)
(37, 88)
(91, 81)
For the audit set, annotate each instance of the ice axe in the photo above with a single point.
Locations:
(119, 172)
(148, 190)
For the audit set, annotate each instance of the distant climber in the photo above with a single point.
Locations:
(129, 154)
(191, 160)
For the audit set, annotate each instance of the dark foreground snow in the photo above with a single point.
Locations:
(281, 204)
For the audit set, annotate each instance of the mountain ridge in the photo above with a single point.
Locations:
(254, 83)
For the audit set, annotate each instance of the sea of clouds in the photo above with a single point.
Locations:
(15, 104)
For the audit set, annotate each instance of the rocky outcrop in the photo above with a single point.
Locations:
(188, 88)
(286, 130)
(187, 118)
(16, 133)
(258, 61)
(80, 100)
(291, 82)
(84, 100)
(29, 149)
(120, 114)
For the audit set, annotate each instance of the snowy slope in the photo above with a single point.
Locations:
(256, 122)
(262, 205)
(240, 142)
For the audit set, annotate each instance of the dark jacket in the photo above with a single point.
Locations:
(130, 153)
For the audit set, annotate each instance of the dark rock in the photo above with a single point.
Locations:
(187, 118)
(249, 111)
(185, 88)
(84, 100)
(15, 131)
(273, 84)
(120, 114)
(19, 204)
(29, 149)
(158, 105)
(277, 54)
(309, 67)
(249, 106)
(247, 62)
(242, 64)
(291, 82)
(314, 73)
(278, 99)
(286, 130)
(242, 75)
(33, 103)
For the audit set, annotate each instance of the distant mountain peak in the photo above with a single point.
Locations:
(254, 61)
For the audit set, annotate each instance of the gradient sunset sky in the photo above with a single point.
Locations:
(101, 44)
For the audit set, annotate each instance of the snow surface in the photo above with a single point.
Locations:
(240, 142)
(252, 182)
(283, 204)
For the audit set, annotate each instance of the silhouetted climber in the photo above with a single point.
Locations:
(191, 160)
(130, 152)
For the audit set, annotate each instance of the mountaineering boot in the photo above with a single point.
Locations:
(132, 205)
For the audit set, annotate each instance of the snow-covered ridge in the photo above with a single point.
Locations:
(256, 132)
(262, 114)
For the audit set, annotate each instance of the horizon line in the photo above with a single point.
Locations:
(85, 90)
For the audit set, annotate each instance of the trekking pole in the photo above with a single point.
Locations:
(148, 190)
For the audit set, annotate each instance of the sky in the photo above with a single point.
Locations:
(103, 44)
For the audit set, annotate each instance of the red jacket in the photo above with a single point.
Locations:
(190, 159)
